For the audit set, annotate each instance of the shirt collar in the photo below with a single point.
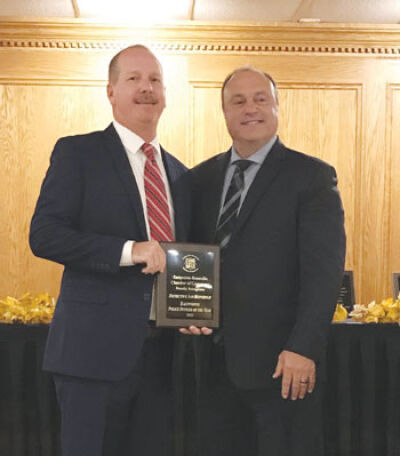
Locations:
(131, 141)
(259, 156)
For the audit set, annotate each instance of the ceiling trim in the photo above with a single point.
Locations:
(201, 37)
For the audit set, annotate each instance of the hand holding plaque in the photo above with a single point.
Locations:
(187, 292)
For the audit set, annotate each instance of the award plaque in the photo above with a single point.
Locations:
(346, 294)
(187, 292)
(396, 284)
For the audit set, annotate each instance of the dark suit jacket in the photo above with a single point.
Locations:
(89, 205)
(282, 269)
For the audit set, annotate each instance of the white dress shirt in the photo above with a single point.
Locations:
(137, 159)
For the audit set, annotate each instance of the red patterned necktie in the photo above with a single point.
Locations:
(156, 199)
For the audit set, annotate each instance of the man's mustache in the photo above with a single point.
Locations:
(146, 98)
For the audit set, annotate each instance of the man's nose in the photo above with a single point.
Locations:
(146, 85)
(250, 107)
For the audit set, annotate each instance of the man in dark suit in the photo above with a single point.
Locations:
(278, 218)
(107, 199)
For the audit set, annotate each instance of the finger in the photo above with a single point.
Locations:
(156, 261)
(311, 384)
(286, 384)
(295, 388)
(163, 260)
(157, 253)
(206, 331)
(278, 370)
(153, 263)
(189, 331)
(303, 387)
(157, 256)
(146, 270)
(163, 263)
(159, 260)
(195, 330)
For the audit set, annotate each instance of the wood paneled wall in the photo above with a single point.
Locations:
(339, 100)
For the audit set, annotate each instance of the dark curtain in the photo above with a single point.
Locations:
(29, 419)
(362, 397)
(361, 402)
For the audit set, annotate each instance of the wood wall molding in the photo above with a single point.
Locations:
(195, 37)
(196, 48)
(393, 176)
(53, 82)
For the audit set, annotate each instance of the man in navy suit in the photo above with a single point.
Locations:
(112, 368)
(278, 218)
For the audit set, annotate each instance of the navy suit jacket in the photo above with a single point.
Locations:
(283, 266)
(89, 206)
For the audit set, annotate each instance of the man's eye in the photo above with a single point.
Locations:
(261, 99)
(133, 78)
(238, 102)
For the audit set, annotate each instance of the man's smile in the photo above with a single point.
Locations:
(251, 122)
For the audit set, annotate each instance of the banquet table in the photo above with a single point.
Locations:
(361, 400)
(29, 418)
(362, 395)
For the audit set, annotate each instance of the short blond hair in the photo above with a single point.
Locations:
(113, 69)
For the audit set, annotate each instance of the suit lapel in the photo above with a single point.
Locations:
(263, 179)
(176, 194)
(215, 185)
(124, 170)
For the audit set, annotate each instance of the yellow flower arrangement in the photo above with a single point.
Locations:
(27, 309)
(386, 311)
(340, 313)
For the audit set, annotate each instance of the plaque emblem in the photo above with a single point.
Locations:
(190, 263)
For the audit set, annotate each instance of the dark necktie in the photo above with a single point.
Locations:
(156, 199)
(230, 209)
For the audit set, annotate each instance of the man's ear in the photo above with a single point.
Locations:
(110, 93)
